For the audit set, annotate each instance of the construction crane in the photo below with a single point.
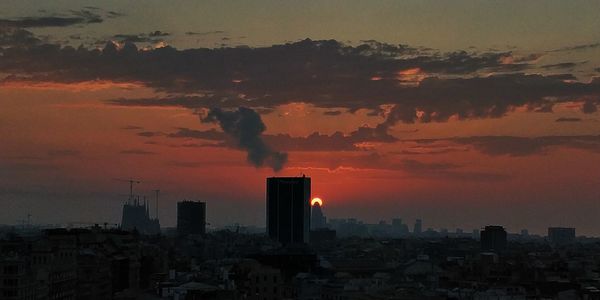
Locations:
(131, 182)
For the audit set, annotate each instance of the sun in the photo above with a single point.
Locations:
(316, 201)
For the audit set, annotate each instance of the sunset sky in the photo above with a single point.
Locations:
(462, 113)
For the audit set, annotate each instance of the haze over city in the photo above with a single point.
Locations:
(460, 113)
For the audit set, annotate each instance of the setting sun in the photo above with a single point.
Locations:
(316, 201)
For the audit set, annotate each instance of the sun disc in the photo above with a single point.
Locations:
(316, 201)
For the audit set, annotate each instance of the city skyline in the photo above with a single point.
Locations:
(462, 114)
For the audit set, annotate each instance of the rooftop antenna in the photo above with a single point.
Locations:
(157, 192)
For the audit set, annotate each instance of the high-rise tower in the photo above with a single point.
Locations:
(191, 217)
(288, 209)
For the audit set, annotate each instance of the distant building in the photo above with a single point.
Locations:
(136, 216)
(493, 238)
(317, 219)
(561, 235)
(418, 229)
(399, 228)
(288, 209)
(191, 217)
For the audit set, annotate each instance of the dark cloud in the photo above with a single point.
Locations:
(521, 146)
(448, 171)
(413, 168)
(566, 119)
(527, 58)
(205, 32)
(150, 133)
(285, 142)
(428, 151)
(332, 113)
(131, 127)
(577, 47)
(152, 37)
(80, 17)
(245, 127)
(566, 65)
(113, 14)
(158, 33)
(589, 107)
(421, 86)
(63, 153)
(17, 37)
(136, 152)
(212, 134)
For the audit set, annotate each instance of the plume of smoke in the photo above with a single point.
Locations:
(245, 127)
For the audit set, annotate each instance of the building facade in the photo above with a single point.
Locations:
(493, 238)
(191, 217)
(288, 209)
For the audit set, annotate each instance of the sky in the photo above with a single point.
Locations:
(462, 113)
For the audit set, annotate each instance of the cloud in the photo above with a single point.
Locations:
(245, 127)
(17, 37)
(589, 107)
(84, 16)
(332, 113)
(136, 152)
(521, 146)
(205, 32)
(566, 65)
(150, 133)
(577, 47)
(152, 37)
(316, 141)
(158, 33)
(565, 119)
(211, 134)
(63, 153)
(131, 127)
(421, 86)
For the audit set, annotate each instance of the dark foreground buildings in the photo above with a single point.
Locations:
(191, 217)
(493, 238)
(288, 209)
(561, 235)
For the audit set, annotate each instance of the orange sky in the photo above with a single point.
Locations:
(438, 121)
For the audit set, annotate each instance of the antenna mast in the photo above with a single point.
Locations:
(157, 192)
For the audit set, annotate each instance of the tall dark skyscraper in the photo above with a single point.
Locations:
(191, 217)
(288, 209)
(493, 238)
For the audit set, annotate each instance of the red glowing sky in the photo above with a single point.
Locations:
(461, 138)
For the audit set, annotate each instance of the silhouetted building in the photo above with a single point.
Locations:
(493, 238)
(136, 216)
(288, 209)
(191, 217)
(561, 235)
(418, 229)
(317, 219)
